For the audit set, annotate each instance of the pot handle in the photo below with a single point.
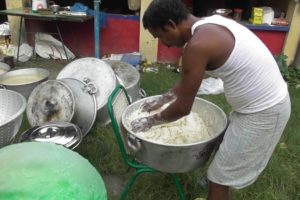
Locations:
(90, 86)
(130, 99)
(2, 87)
(134, 143)
(142, 93)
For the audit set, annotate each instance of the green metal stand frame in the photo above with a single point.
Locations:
(139, 167)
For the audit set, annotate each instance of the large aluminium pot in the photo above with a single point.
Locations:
(66, 100)
(129, 77)
(100, 73)
(24, 80)
(177, 158)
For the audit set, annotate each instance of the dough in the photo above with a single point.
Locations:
(186, 130)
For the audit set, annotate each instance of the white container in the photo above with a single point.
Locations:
(39, 4)
(268, 15)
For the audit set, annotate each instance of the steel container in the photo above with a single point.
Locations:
(101, 74)
(24, 88)
(85, 103)
(129, 77)
(177, 158)
(67, 100)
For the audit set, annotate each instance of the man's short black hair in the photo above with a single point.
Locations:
(160, 12)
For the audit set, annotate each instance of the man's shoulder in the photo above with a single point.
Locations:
(204, 37)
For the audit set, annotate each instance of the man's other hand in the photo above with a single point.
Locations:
(142, 124)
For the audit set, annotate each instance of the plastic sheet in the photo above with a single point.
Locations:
(211, 86)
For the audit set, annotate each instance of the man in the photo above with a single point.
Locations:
(253, 87)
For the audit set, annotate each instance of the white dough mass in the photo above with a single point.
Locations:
(186, 130)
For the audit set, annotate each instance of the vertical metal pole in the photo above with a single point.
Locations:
(61, 39)
(97, 27)
(19, 40)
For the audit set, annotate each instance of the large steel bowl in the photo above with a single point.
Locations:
(12, 107)
(24, 87)
(177, 158)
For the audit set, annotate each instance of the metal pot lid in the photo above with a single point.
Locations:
(50, 101)
(127, 75)
(62, 133)
(96, 70)
(85, 103)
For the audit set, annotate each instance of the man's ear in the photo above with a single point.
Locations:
(171, 24)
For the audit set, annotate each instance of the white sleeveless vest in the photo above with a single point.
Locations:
(252, 80)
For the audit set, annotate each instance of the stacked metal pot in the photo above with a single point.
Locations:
(105, 75)
(66, 100)
(79, 96)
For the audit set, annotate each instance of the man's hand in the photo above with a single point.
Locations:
(142, 124)
(149, 106)
(155, 104)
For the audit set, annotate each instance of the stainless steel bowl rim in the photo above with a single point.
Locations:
(125, 124)
(12, 73)
(9, 119)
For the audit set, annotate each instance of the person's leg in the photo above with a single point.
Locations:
(218, 192)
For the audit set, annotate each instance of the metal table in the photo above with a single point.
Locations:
(44, 17)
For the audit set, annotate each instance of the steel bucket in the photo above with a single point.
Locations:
(129, 77)
(178, 158)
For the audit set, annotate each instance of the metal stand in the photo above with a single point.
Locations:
(117, 102)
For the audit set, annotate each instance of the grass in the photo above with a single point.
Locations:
(279, 181)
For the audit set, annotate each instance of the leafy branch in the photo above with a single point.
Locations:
(290, 74)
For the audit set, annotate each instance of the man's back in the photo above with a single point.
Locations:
(252, 80)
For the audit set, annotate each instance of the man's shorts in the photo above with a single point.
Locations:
(248, 144)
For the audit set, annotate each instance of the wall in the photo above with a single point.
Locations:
(121, 35)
